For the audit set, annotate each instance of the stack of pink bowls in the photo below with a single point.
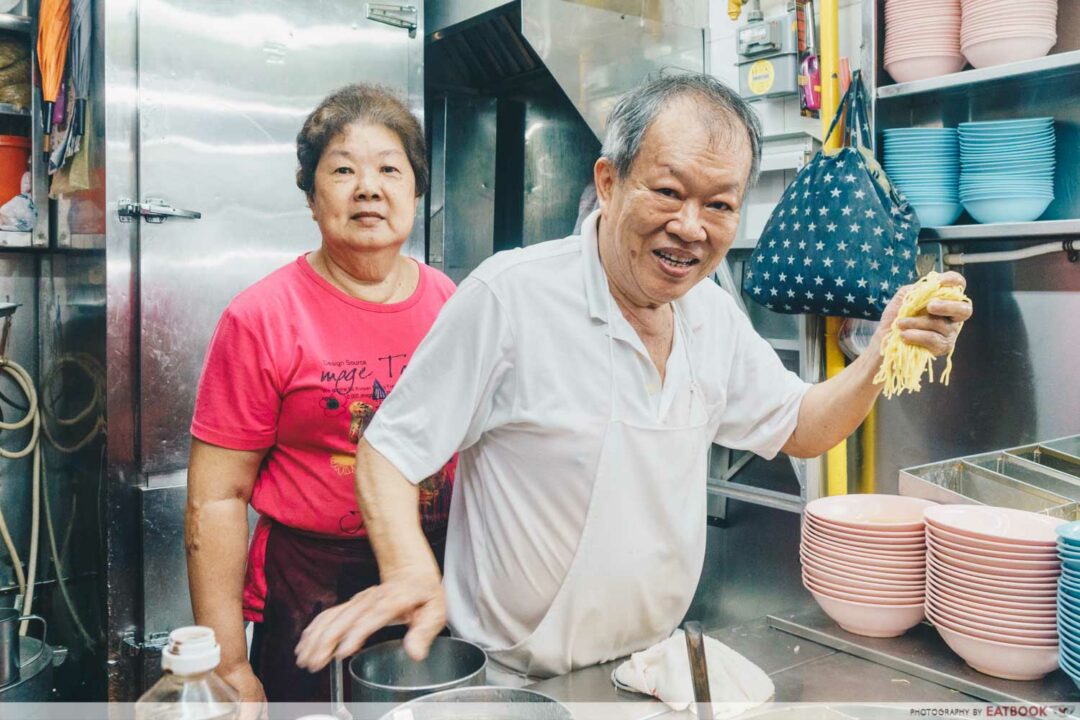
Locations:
(993, 32)
(991, 583)
(864, 561)
(922, 38)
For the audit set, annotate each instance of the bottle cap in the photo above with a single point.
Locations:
(191, 650)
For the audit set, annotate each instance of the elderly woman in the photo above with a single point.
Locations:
(299, 364)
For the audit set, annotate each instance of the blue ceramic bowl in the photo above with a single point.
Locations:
(1069, 535)
(936, 214)
(1007, 210)
(1003, 125)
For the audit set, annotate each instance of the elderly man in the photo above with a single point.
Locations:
(582, 381)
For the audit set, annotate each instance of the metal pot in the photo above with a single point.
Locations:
(482, 703)
(384, 673)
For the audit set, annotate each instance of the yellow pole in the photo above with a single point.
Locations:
(836, 459)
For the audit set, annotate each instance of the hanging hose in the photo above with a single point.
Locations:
(38, 480)
(57, 565)
(32, 417)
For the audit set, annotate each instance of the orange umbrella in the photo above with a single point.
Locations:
(54, 30)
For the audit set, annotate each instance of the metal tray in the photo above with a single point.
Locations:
(1037, 478)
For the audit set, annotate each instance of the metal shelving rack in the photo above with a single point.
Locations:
(26, 27)
(1046, 86)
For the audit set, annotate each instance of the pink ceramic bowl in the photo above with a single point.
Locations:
(866, 547)
(895, 513)
(881, 563)
(1006, 50)
(842, 576)
(986, 522)
(870, 620)
(869, 571)
(869, 595)
(997, 621)
(988, 583)
(1002, 660)
(1038, 606)
(995, 563)
(973, 627)
(994, 566)
(1017, 553)
(882, 537)
(922, 68)
(988, 547)
(817, 587)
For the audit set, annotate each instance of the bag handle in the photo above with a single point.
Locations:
(853, 104)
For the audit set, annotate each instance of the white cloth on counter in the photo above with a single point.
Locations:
(736, 685)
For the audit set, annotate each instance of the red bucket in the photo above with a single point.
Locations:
(14, 162)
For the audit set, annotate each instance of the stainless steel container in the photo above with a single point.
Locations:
(10, 618)
(482, 703)
(384, 673)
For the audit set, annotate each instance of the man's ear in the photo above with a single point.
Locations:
(604, 177)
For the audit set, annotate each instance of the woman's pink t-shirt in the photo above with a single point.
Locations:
(300, 367)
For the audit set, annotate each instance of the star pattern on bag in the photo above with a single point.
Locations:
(852, 242)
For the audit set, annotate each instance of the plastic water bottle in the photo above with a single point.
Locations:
(189, 689)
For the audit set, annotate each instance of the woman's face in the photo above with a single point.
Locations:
(365, 190)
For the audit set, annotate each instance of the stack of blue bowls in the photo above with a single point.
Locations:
(1068, 604)
(1007, 169)
(924, 163)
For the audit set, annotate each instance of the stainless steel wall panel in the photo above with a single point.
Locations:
(560, 151)
(223, 90)
(1014, 371)
(468, 156)
(585, 48)
(117, 18)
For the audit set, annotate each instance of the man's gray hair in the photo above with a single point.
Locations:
(636, 111)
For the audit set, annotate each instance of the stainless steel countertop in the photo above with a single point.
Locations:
(803, 671)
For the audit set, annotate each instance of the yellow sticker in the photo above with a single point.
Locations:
(760, 77)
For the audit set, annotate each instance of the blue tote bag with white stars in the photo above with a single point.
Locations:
(842, 240)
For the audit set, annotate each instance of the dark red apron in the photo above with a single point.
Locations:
(306, 574)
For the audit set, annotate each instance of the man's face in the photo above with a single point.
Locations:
(670, 222)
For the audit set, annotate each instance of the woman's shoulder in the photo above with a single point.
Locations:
(438, 281)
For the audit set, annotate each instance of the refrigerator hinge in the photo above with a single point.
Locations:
(402, 16)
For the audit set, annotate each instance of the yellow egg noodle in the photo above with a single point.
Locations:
(903, 365)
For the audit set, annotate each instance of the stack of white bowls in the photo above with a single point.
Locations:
(922, 38)
(1007, 169)
(864, 561)
(993, 32)
(991, 585)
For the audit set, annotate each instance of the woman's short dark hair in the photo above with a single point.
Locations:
(363, 103)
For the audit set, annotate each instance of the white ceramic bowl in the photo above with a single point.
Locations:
(985, 522)
(870, 620)
(1010, 662)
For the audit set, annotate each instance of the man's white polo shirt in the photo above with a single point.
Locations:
(514, 375)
